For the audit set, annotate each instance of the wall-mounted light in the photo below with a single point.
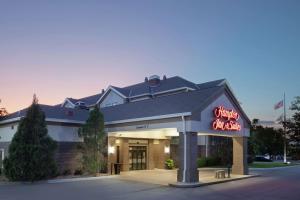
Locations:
(167, 149)
(111, 149)
(117, 141)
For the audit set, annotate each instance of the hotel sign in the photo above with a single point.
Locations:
(225, 119)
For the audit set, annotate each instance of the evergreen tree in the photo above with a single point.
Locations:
(293, 128)
(265, 140)
(94, 143)
(31, 152)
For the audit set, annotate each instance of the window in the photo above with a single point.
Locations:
(12, 127)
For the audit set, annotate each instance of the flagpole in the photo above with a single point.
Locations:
(284, 130)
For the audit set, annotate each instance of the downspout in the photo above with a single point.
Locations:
(184, 148)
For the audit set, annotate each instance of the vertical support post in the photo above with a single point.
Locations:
(206, 146)
(188, 149)
(240, 164)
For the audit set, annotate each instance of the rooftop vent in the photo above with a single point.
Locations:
(154, 80)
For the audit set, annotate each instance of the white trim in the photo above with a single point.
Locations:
(64, 121)
(225, 82)
(162, 92)
(140, 99)
(149, 118)
(67, 100)
(107, 90)
(184, 149)
(139, 95)
(47, 120)
(10, 120)
(173, 90)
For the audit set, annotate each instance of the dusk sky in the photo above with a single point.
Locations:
(60, 49)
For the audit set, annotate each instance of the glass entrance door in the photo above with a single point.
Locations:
(137, 157)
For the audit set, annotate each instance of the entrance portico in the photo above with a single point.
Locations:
(144, 143)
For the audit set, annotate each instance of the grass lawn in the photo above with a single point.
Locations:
(268, 164)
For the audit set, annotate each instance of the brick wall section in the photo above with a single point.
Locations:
(68, 156)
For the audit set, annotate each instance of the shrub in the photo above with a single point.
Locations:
(170, 164)
(209, 161)
(78, 172)
(201, 162)
(250, 159)
(66, 172)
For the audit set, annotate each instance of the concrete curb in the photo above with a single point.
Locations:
(193, 185)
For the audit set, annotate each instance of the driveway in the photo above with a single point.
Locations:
(272, 185)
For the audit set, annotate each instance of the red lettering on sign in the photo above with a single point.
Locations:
(231, 118)
(221, 112)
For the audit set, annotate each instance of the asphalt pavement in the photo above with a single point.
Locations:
(273, 184)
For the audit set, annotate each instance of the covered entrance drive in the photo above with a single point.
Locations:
(144, 143)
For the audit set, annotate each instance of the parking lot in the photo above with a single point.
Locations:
(281, 183)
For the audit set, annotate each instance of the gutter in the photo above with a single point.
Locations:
(184, 148)
(16, 119)
(149, 118)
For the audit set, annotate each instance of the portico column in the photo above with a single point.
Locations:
(188, 150)
(240, 164)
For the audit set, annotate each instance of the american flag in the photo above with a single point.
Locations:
(278, 105)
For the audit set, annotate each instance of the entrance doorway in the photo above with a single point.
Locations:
(137, 157)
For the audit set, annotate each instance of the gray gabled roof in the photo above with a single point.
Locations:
(54, 112)
(164, 85)
(91, 100)
(142, 88)
(164, 105)
(210, 84)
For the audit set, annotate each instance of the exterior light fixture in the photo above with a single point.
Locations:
(111, 149)
(167, 149)
(117, 141)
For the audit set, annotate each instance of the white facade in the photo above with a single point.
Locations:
(57, 132)
(7, 132)
(111, 99)
(207, 117)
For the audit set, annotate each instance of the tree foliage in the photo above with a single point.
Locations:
(94, 143)
(3, 111)
(31, 152)
(265, 140)
(293, 128)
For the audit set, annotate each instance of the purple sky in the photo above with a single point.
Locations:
(60, 49)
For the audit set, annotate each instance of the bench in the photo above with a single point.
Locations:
(220, 174)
